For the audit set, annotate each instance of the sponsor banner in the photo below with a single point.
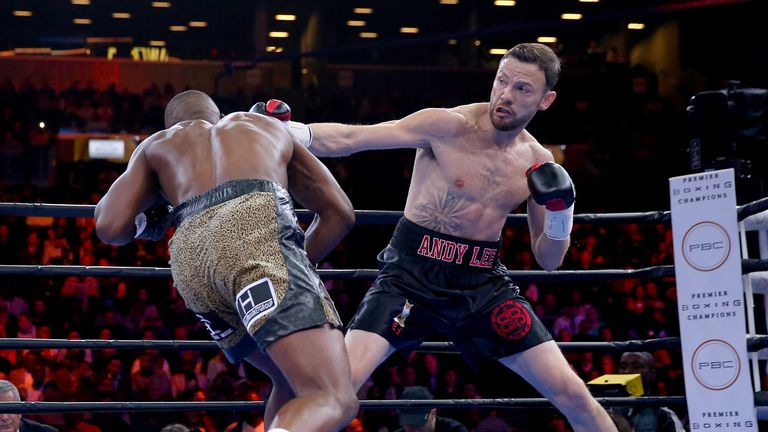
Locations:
(710, 302)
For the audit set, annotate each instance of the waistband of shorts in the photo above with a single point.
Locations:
(222, 193)
(417, 241)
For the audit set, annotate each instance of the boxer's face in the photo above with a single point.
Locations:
(519, 90)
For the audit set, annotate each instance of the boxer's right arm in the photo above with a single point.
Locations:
(132, 193)
(314, 187)
(418, 130)
(413, 131)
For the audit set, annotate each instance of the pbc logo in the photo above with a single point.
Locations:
(716, 364)
(706, 246)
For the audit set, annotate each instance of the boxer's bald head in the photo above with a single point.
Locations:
(191, 105)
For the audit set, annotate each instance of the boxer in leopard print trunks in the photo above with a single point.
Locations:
(238, 256)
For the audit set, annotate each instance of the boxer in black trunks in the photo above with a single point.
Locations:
(440, 274)
(238, 256)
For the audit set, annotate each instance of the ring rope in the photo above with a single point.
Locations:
(384, 217)
(754, 343)
(749, 265)
(47, 407)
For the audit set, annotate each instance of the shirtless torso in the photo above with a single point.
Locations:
(194, 156)
(467, 184)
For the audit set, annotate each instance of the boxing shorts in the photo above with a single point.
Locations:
(432, 286)
(238, 260)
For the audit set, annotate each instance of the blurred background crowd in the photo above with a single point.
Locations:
(619, 126)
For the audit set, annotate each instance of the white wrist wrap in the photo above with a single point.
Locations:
(558, 224)
(300, 132)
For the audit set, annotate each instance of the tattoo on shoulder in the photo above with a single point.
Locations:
(442, 215)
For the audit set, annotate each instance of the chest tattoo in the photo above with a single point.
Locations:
(443, 214)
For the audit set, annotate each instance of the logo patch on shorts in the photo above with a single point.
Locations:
(255, 301)
(511, 320)
(217, 327)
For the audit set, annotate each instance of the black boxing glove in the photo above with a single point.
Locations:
(552, 187)
(280, 110)
(155, 221)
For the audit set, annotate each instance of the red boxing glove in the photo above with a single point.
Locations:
(273, 108)
(281, 111)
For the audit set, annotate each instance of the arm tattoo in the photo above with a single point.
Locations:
(442, 215)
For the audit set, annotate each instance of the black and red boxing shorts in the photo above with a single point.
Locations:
(434, 286)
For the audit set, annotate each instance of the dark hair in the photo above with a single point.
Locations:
(540, 55)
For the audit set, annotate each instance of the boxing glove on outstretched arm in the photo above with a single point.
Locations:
(280, 110)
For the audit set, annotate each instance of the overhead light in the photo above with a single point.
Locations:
(411, 30)
(546, 39)
(504, 2)
(635, 26)
(177, 28)
(452, 41)
(278, 34)
(278, 49)
(589, 1)
(69, 52)
(271, 48)
(161, 4)
(356, 23)
(198, 24)
(285, 17)
(449, 2)
(157, 43)
(121, 15)
(22, 13)
(362, 10)
(82, 21)
(108, 40)
(477, 42)
(571, 16)
(81, 2)
(32, 50)
(498, 51)
(369, 35)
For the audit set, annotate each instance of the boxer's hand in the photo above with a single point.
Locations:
(154, 222)
(280, 110)
(551, 187)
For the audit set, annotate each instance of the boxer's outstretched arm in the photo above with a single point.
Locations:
(132, 193)
(314, 187)
(417, 130)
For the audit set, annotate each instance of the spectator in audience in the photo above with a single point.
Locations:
(14, 422)
(424, 419)
(175, 427)
(253, 420)
(646, 418)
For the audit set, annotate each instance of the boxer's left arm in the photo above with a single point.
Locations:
(132, 193)
(315, 188)
(550, 213)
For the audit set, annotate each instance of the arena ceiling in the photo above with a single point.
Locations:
(240, 29)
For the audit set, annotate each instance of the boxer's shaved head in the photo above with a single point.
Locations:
(191, 105)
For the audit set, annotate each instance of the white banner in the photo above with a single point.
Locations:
(710, 296)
